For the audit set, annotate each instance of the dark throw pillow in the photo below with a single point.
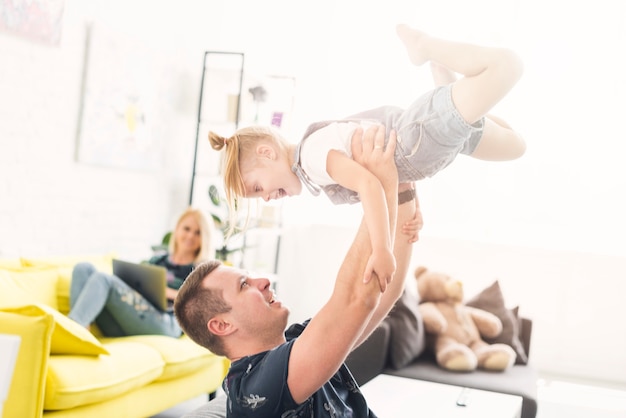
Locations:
(492, 300)
(407, 333)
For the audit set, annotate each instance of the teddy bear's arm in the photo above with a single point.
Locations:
(434, 321)
(488, 324)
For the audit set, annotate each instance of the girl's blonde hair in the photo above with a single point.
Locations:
(240, 146)
(207, 249)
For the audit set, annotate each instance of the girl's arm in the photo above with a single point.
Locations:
(350, 174)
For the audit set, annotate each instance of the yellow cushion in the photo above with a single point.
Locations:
(68, 336)
(26, 394)
(11, 292)
(63, 290)
(10, 263)
(40, 284)
(81, 380)
(182, 356)
(64, 266)
(101, 262)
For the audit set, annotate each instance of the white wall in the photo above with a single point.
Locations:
(560, 207)
(51, 204)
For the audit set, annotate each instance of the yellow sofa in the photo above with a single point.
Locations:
(63, 370)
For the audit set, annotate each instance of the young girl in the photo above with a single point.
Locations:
(451, 119)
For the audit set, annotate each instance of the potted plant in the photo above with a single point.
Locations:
(221, 217)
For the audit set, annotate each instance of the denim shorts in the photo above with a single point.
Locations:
(431, 133)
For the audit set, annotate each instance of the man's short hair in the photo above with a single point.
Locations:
(196, 304)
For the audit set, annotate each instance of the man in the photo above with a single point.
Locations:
(299, 372)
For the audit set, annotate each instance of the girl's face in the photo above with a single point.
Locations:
(270, 179)
(188, 236)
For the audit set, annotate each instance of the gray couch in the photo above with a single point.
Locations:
(370, 359)
(397, 347)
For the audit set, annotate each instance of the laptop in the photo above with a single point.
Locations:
(147, 279)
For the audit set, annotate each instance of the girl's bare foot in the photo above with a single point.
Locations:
(412, 42)
(441, 75)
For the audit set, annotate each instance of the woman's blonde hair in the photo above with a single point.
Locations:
(207, 248)
(239, 146)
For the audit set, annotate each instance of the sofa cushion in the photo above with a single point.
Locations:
(181, 355)
(101, 262)
(370, 358)
(64, 266)
(68, 337)
(29, 284)
(10, 263)
(81, 380)
(491, 300)
(11, 292)
(26, 394)
(407, 333)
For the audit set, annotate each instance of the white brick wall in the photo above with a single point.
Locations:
(50, 203)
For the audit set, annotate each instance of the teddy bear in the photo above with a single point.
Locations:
(454, 330)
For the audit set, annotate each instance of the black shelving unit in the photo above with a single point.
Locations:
(209, 91)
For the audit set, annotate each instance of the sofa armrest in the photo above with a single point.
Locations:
(26, 393)
(369, 359)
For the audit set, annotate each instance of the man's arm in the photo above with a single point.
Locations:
(402, 250)
(329, 337)
(364, 153)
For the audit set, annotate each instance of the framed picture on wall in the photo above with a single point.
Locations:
(39, 21)
(119, 102)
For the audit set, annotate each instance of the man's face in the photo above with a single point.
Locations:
(255, 309)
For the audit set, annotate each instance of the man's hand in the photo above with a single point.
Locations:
(369, 151)
(412, 227)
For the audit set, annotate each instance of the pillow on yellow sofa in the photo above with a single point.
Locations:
(101, 262)
(40, 284)
(64, 266)
(68, 336)
(10, 263)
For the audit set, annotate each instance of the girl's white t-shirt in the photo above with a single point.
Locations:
(315, 149)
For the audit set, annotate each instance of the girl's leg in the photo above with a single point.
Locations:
(441, 75)
(488, 73)
(499, 141)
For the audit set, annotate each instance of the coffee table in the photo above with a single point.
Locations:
(394, 396)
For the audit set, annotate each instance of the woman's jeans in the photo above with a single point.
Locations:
(116, 308)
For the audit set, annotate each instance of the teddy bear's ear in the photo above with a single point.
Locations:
(419, 271)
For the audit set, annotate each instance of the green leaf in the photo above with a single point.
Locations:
(214, 195)
(216, 219)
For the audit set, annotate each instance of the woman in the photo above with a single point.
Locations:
(119, 310)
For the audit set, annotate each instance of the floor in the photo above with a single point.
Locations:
(183, 408)
(558, 398)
